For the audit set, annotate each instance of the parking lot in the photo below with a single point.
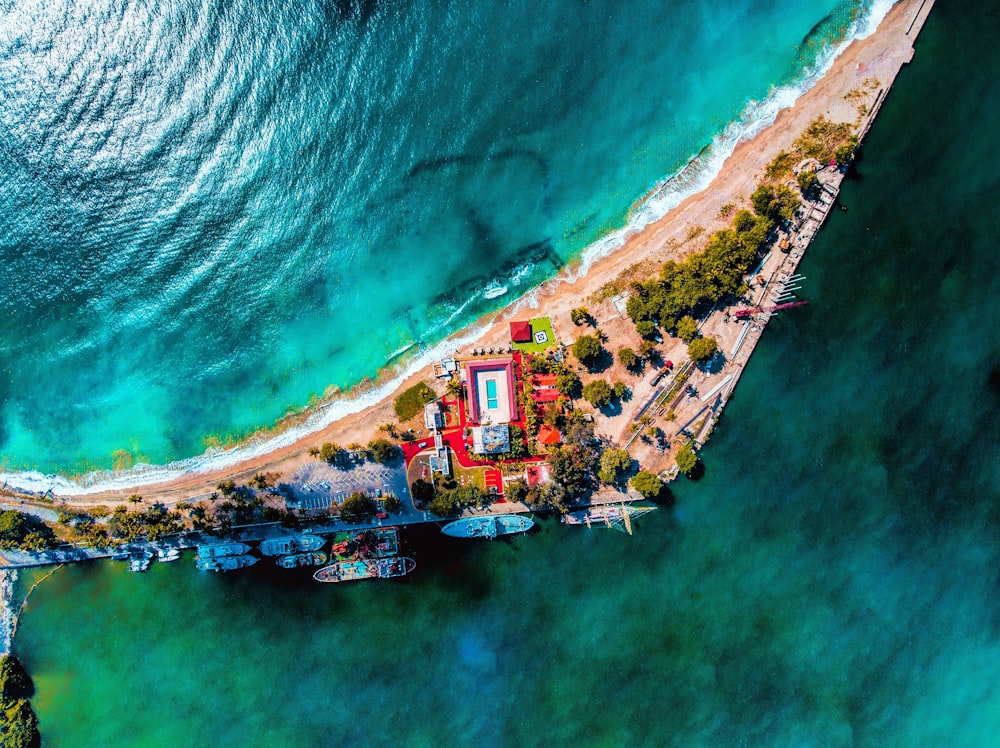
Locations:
(318, 486)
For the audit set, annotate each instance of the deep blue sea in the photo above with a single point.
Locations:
(214, 213)
(832, 581)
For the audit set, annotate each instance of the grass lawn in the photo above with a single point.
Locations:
(540, 324)
(463, 476)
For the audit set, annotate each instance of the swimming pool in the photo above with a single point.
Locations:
(491, 395)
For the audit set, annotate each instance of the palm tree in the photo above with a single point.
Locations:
(454, 387)
(135, 498)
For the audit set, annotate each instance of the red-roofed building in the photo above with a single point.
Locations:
(548, 435)
(520, 332)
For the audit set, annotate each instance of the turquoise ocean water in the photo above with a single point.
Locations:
(832, 581)
(212, 212)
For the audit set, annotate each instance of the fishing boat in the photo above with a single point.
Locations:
(225, 563)
(614, 516)
(167, 554)
(297, 560)
(380, 568)
(292, 544)
(488, 527)
(347, 571)
(378, 542)
(381, 542)
(219, 550)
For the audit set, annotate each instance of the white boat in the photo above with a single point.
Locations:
(140, 561)
(488, 527)
(167, 554)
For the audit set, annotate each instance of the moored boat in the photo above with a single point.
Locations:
(488, 527)
(394, 567)
(292, 544)
(297, 560)
(379, 568)
(139, 560)
(615, 516)
(219, 550)
(347, 571)
(225, 563)
(167, 554)
(378, 542)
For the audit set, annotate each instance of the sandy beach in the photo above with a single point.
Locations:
(680, 232)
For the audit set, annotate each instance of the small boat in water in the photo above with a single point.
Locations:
(225, 563)
(140, 561)
(298, 560)
(167, 554)
(219, 550)
(615, 516)
(379, 568)
(292, 544)
(488, 527)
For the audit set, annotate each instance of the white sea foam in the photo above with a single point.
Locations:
(699, 172)
(696, 175)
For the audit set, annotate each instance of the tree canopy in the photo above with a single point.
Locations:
(24, 532)
(687, 460)
(598, 393)
(614, 464)
(587, 349)
(568, 383)
(15, 683)
(357, 508)
(629, 358)
(702, 349)
(384, 451)
(19, 726)
(648, 484)
(687, 328)
(413, 400)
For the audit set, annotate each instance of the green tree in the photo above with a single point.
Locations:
(598, 393)
(331, 452)
(845, 153)
(392, 504)
(615, 463)
(687, 328)
(454, 387)
(687, 460)
(19, 728)
(649, 484)
(588, 349)
(628, 358)
(357, 508)
(809, 184)
(775, 203)
(646, 348)
(702, 349)
(568, 384)
(421, 490)
(516, 490)
(384, 451)
(412, 401)
(24, 532)
(15, 683)
(620, 390)
(580, 316)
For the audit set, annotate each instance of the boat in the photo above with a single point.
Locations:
(615, 516)
(379, 568)
(292, 544)
(296, 560)
(347, 571)
(225, 563)
(378, 542)
(381, 542)
(167, 554)
(219, 550)
(488, 527)
(140, 561)
(394, 567)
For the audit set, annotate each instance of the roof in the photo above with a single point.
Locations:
(520, 332)
(548, 435)
(491, 440)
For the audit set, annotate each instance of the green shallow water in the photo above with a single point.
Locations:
(831, 581)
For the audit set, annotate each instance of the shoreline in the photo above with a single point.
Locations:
(663, 238)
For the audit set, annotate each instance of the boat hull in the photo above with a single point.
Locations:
(488, 527)
(292, 545)
(298, 560)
